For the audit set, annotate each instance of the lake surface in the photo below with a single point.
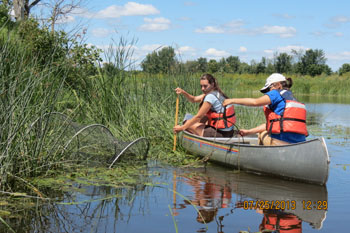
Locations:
(212, 198)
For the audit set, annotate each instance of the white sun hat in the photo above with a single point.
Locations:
(273, 78)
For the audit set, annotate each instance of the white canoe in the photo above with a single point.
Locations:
(306, 161)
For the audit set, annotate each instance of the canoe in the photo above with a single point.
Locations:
(309, 202)
(305, 161)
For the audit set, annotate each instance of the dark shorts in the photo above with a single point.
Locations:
(212, 133)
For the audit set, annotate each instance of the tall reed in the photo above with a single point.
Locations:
(135, 104)
(27, 91)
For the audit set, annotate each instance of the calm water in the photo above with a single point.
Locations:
(219, 196)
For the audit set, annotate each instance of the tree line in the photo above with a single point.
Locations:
(310, 62)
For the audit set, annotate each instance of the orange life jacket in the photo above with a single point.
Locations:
(293, 119)
(222, 120)
(285, 223)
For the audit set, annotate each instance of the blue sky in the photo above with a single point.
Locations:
(250, 29)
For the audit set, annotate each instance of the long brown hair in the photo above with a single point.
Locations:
(287, 84)
(211, 80)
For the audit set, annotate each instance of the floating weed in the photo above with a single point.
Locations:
(3, 203)
(11, 207)
(344, 166)
(4, 213)
(97, 176)
(330, 132)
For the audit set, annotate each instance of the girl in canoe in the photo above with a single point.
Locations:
(212, 118)
(285, 116)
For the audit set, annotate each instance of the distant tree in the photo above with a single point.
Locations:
(222, 65)
(270, 68)
(233, 64)
(313, 63)
(202, 64)
(244, 68)
(213, 66)
(191, 66)
(345, 68)
(283, 63)
(261, 66)
(162, 61)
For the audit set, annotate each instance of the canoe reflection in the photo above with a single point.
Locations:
(276, 220)
(214, 188)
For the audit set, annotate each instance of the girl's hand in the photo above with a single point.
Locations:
(177, 128)
(244, 132)
(178, 90)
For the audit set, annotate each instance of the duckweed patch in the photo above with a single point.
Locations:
(100, 176)
(339, 132)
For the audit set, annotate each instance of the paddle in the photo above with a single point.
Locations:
(176, 114)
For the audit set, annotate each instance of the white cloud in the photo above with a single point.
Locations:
(283, 32)
(65, 19)
(236, 27)
(185, 18)
(115, 47)
(151, 47)
(210, 30)
(101, 32)
(156, 24)
(186, 51)
(284, 16)
(243, 49)
(216, 53)
(339, 56)
(339, 34)
(286, 49)
(319, 33)
(337, 21)
(341, 19)
(189, 3)
(289, 48)
(268, 51)
(238, 23)
(129, 9)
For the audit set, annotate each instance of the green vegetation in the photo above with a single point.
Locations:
(42, 71)
(310, 62)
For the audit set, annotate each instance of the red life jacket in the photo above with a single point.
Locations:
(285, 223)
(222, 120)
(293, 119)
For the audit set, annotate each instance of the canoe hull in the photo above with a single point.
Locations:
(307, 161)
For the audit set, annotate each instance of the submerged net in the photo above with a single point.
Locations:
(89, 144)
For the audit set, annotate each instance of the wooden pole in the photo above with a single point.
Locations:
(176, 115)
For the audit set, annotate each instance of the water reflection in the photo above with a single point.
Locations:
(330, 114)
(220, 196)
(208, 197)
(284, 205)
(279, 221)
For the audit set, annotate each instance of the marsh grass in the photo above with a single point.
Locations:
(131, 104)
(28, 90)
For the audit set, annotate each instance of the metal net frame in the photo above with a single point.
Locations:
(91, 144)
